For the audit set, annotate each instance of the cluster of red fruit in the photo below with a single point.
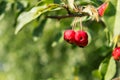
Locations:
(80, 38)
(116, 53)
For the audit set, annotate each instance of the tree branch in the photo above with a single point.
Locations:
(66, 16)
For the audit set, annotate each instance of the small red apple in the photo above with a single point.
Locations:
(81, 38)
(69, 36)
(116, 53)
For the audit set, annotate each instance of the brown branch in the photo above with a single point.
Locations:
(66, 16)
(70, 14)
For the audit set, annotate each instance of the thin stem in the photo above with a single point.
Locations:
(81, 24)
(74, 23)
(115, 40)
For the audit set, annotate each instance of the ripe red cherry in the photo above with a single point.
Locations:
(81, 38)
(69, 36)
(116, 53)
(102, 8)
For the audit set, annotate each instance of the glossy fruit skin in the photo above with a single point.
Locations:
(102, 8)
(116, 53)
(69, 36)
(81, 38)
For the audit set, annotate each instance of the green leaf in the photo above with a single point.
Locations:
(48, 1)
(39, 29)
(97, 75)
(117, 22)
(111, 70)
(57, 1)
(27, 17)
(110, 18)
(107, 68)
(103, 67)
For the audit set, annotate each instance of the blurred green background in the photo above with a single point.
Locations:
(38, 52)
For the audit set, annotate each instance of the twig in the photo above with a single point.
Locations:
(67, 9)
(66, 16)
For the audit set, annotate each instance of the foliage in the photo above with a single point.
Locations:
(32, 45)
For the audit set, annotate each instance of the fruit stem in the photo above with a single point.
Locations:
(74, 23)
(115, 40)
(81, 24)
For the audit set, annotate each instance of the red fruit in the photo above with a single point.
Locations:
(69, 36)
(81, 38)
(116, 53)
(102, 8)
